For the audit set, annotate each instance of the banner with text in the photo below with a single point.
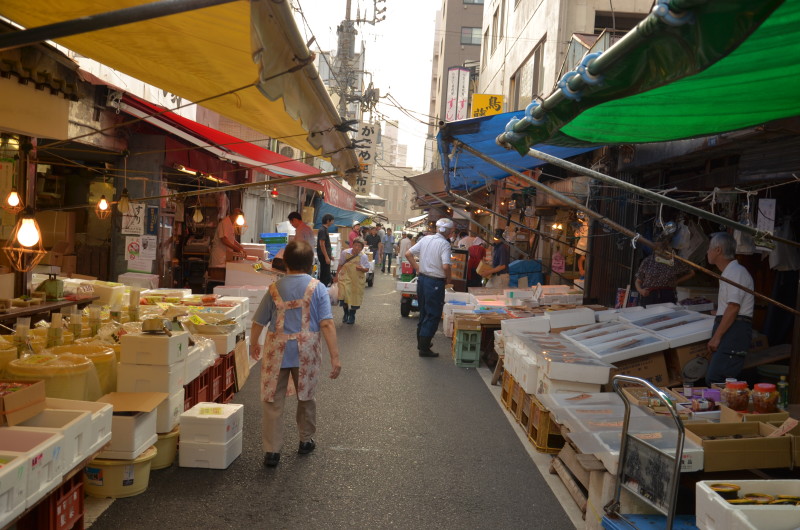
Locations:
(487, 104)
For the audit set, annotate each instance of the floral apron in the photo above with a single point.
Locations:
(308, 346)
(351, 283)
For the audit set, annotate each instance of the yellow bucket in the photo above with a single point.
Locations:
(66, 376)
(103, 357)
(118, 478)
(167, 446)
(7, 354)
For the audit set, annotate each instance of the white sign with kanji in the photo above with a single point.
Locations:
(366, 143)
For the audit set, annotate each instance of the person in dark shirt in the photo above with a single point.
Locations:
(324, 250)
(374, 243)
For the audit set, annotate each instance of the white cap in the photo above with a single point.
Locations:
(444, 224)
(356, 223)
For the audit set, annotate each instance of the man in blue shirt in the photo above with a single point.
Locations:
(501, 257)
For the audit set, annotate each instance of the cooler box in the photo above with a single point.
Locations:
(168, 413)
(100, 417)
(12, 486)
(74, 425)
(133, 425)
(211, 423)
(154, 349)
(209, 455)
(151, 378)
(43, 459)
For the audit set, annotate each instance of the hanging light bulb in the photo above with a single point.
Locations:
(197, 217)
(28, 234)
(13, 202)
(124, 204)
(101, 210)
(274, 192)
(103, 204)
(239, 220)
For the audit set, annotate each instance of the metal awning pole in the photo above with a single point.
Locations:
(111, 19)
(661, 199)
(612, 224)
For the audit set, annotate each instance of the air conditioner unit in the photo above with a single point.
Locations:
(290, 152)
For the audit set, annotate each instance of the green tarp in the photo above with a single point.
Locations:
(737, 65)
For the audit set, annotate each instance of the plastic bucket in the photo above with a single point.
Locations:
(167, 446)
(118, 478)
(103, 358)
(66, 376)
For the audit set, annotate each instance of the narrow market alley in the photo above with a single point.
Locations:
(402, 442)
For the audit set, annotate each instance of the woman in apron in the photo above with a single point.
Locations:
(297, 309)
(353, 265)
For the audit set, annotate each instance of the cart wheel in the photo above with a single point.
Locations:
(405, 307)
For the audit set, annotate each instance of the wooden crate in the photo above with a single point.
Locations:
(524, 412)
(516, 399)
(507, 387)
(543, 432)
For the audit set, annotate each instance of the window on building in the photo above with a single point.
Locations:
(526, 83)
(495, 28)
(471, 36)
(621, 22)
(485, 50)
(473, 2)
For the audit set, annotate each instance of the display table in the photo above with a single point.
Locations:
(47, 307)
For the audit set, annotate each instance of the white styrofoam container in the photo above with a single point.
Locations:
(129, 433)
(110, 295)
(154, 349)
(453, 296)
(210, 455)
(211, 423)
(193, 365)
(241, 303)
(129, 455)
(699, 330)
(43, 459)
(555, 386)
(616, 351)
(151, 378)
(100, 430)
(715, 513)
(74, 425)
(12, 486)
(608, 315)
(535, 324)
(407, 287)
(578, 369)
(527, 371)
(631, 314)
(168, 413)
(228, 290)
(223, 343)
(581, 316)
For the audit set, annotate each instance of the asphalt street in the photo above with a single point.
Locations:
(402, 441)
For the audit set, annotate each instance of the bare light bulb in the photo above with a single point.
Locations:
(124, 204)
(198, 216)
(103, 204)
(274, 192)
(13, 199)
(28, 235)
(239, 220)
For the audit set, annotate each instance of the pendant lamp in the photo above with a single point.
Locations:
(102, 210)
(24, 248)
(240, 224)
(274, 192)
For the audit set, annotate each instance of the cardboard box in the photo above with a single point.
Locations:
(134, 421)
(678, 357)
(639, 395)
(211, 423)
(151, 378)
(745, 453)
(728, 415)
(154, 349)
(22, 404)
(794, 435)
(651, 367)
(465, 322)
(168, 413)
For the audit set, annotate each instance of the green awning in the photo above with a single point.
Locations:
(735, 65)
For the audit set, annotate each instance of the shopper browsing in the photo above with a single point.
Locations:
(354, 233)
(302, 232)
(297, 309)
(501, 257)
(388, 250)
(433, 273)
(733, 325)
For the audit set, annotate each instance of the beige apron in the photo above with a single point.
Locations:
(351, 283)
(307, 344)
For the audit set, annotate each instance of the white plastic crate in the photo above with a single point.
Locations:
(101, 413)
(74, 425)
(210, 455)
(12, 486)
(715, 513)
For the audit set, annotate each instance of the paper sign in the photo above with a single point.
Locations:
(133, 221)
(147, 249)
(195, 319)
(210, 411)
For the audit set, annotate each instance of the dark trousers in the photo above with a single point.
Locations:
(660, 296)
(430, 294)
(324, 271)
(385, 258)
(728, 360)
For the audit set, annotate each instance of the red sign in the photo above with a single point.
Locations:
(339, 196)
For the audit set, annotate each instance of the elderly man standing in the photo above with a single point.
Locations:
(433, 273)
(733, 325)
(302, 232)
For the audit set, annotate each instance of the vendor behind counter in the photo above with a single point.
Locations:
(224, 246)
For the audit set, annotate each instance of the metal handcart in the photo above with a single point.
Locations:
(649, 473)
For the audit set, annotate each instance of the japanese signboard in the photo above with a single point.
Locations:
(452, 94)
(133, 221)
(366, 142)
(486, 104)
(462, 104)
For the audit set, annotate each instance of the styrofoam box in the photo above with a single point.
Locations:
(109, 294)
(554, 289)
(151, 378)
(555, 386)
(406, 287)
(453, 296)
(616, 351)
(242, 303)
(168, 413)
(578, 369)
(228, 290)
(131, 434)
(524, 294)
(210, 455)
(211, 423)
(100, 430)
(608, 315)
(193, 366)
(154, 349)
(12, 486)
(74, 425)
(631, 314)
(527, 370)
(129, 455)
(223, 343)
(44, 459)
(170, 292)
(571, 317)
(699, 330)
(535, 324)
(715, 513)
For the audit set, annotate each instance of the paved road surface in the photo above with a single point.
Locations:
(402, 442)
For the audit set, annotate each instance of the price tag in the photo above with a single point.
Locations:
(210, 411)
(196, 320)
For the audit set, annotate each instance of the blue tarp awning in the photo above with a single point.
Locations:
(467, 172)
(340, 217)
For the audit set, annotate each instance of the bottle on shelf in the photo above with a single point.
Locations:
(783, 393)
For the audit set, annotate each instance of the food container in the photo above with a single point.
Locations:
(735, 395)
(101, 355)
(765, 398)
(726, 491)
(67, 376)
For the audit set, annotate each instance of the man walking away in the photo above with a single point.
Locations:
(733, 325)
(324, 250)
(433, 273)
(405, 244)
(373, 241)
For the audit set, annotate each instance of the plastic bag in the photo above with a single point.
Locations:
(333, 293)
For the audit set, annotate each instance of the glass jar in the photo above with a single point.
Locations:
(765, 398)
(735, 395)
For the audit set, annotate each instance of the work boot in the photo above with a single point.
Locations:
(351, 319)
(346, 314)
(425, 347)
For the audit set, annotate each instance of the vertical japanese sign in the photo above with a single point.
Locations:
(133, 221)
(462, 104)
(486, 104)
(452, 94)
(366, 141)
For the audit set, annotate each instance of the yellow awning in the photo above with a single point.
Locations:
(210, 51)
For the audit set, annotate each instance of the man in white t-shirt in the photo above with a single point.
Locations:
(224, 246)
(733, 325)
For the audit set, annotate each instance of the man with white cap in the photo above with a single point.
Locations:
(354, 233)
(433, 273)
